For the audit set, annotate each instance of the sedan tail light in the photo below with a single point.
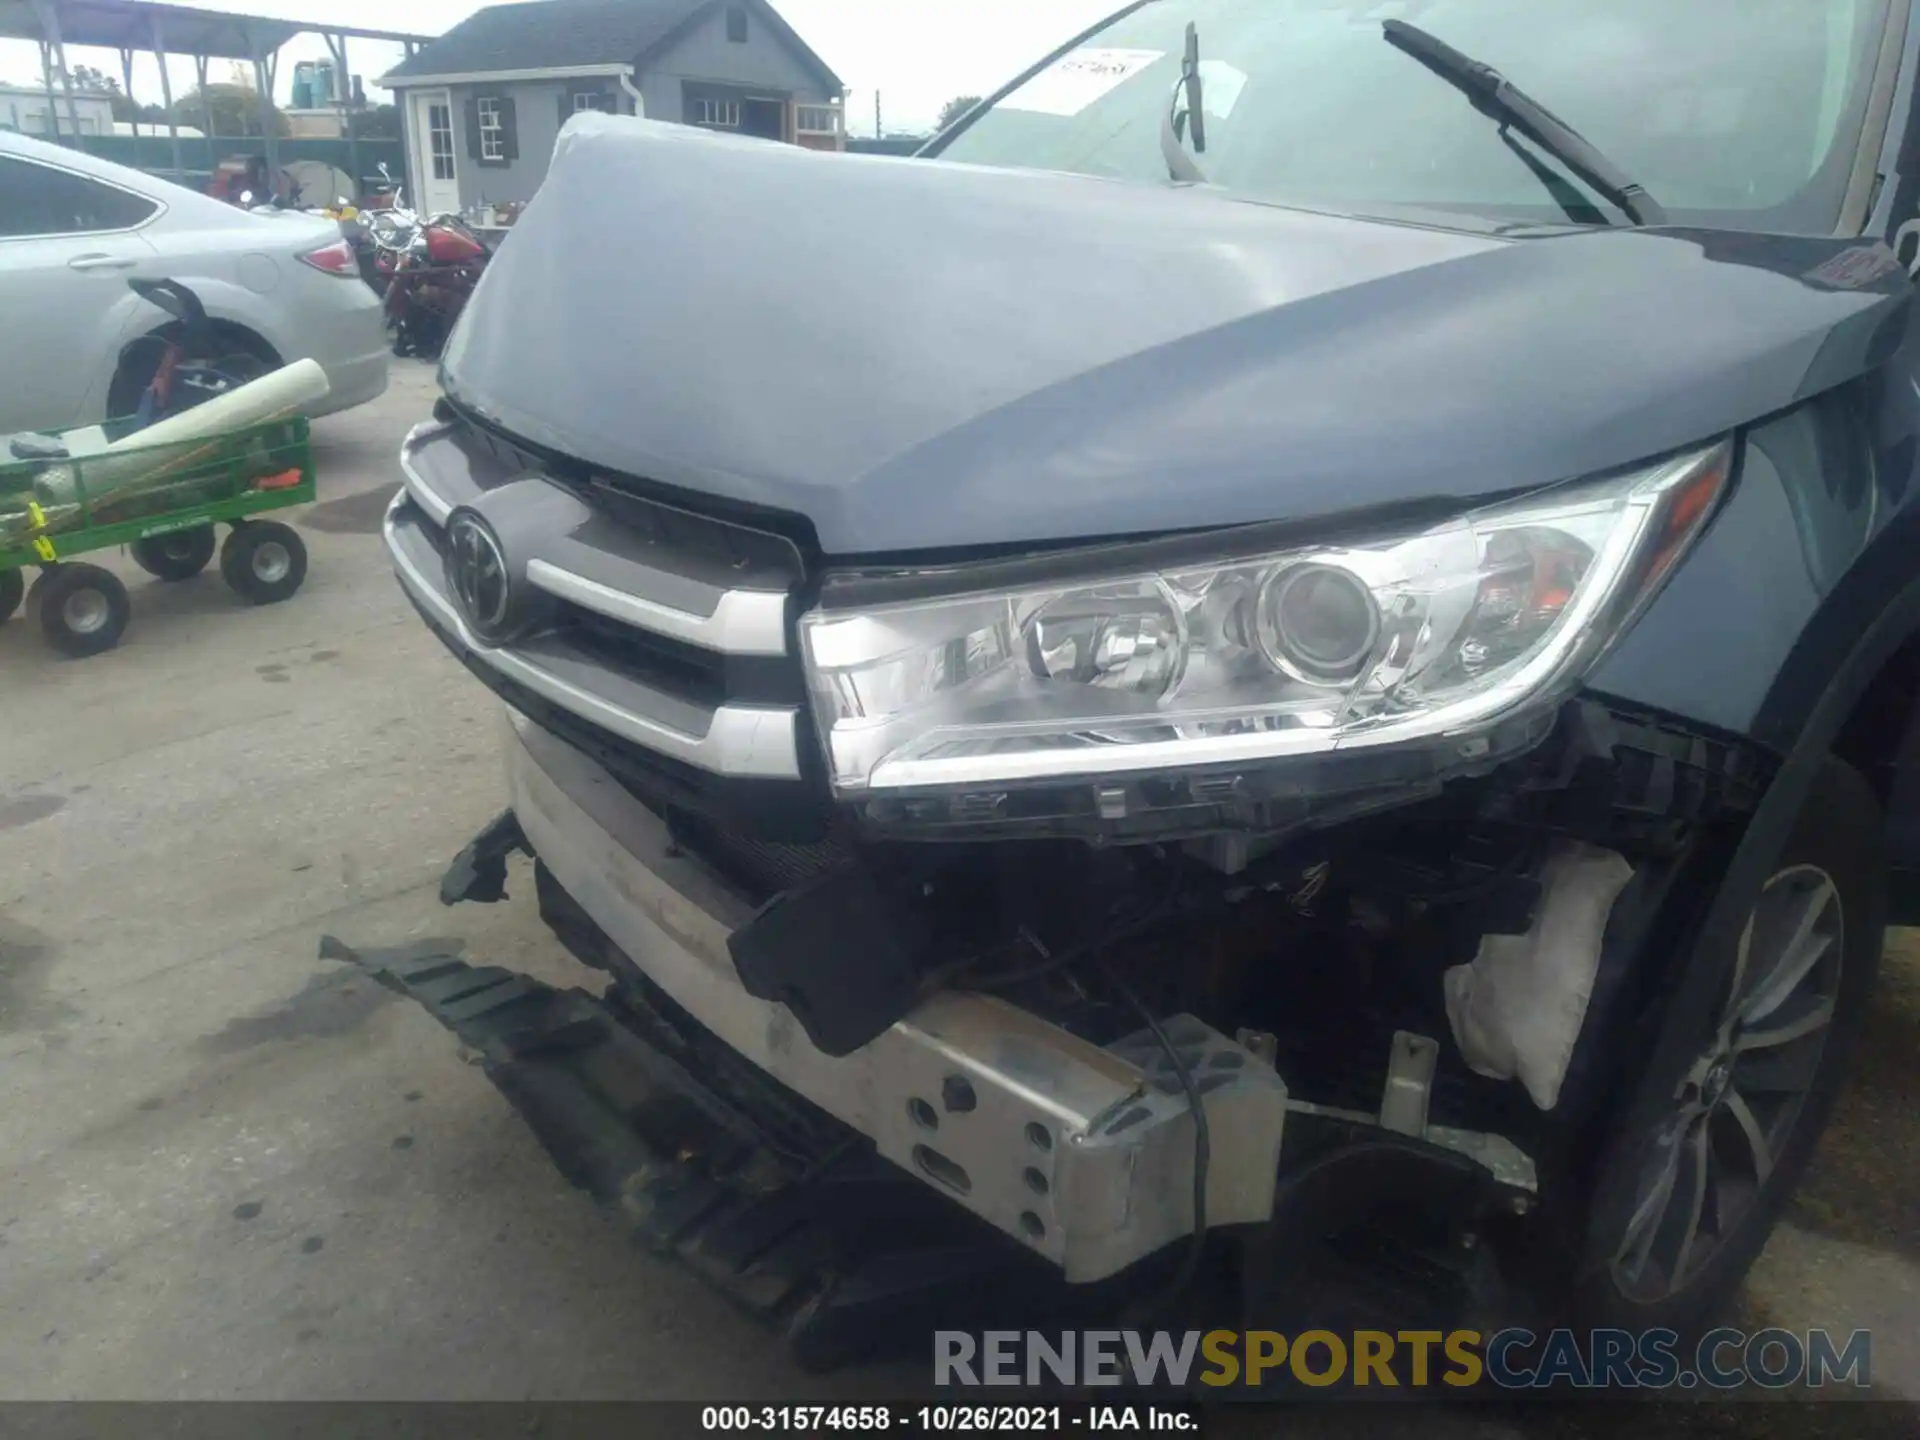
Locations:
(336, 259)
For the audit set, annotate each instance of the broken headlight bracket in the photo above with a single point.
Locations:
(1609, 768)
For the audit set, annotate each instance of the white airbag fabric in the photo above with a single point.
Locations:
(1516, 1010)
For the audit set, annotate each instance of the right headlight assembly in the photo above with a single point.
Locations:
(1431, 636)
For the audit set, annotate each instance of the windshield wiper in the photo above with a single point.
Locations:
(1496, 97)
(1192, 120)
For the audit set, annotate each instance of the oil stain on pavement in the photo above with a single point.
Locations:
(24, 810)
(358, 514)
(26, 958)
(328, 1005)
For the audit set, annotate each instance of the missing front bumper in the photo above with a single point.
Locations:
(1082, 1154)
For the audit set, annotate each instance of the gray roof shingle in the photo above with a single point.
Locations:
(553, 34)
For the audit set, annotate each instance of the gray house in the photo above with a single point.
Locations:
(484, 103)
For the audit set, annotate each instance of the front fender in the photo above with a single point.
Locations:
(1813, 544)
(1803, 590)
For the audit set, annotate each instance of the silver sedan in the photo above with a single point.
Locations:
(73, 231)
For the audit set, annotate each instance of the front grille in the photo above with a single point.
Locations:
(664, 641)
(762, 679)
(723, 552)
(701, 677)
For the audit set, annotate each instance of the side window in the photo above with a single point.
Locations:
(39, 200)
(737, 24)
(493, 132)
(572, 102)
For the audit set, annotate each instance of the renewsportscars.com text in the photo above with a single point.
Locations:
(1724, 1359)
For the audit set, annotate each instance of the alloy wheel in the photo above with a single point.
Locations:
(1739, 1102)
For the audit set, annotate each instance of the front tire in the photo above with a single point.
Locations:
(264, 561)
(180, 555)
(1682, 1210)
(83, 609)
(13, 589)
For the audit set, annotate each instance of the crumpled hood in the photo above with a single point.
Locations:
(923, 356)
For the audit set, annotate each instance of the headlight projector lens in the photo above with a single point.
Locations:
(1118, 638)
(1318, 623)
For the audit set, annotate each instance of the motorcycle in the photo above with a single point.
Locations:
(425, 267)
(357, 229)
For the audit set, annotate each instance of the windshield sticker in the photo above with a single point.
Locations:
(1855, 268)
(1220, 87)
(1073, 82)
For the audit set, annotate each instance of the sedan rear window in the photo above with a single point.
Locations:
(37, 199)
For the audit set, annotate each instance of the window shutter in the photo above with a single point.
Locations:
(566, 103)
(473, 129)
(509, 129)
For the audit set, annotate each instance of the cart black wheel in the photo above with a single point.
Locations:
(13, 589)
(180, 555)
(83, 609)
(264, 561)
(38, 587)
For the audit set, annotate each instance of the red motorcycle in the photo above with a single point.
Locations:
(427, 270)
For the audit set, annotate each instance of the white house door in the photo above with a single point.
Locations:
(434, 153)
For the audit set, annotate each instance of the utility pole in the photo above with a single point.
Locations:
(877, 131)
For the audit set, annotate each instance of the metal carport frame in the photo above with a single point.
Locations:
(132, 26)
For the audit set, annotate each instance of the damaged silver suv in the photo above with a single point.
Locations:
(1289, 650)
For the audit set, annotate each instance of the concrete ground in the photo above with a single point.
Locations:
(229, 1169)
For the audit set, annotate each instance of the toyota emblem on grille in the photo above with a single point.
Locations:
(477, 571)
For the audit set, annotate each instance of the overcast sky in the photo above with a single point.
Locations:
(917, 54)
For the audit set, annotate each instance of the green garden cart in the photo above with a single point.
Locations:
(63, 496)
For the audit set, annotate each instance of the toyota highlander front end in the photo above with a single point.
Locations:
(1120, 697)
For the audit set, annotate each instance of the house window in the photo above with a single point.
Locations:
(588, 100)
(493, 133)
(737, 24)
(719, 114)
(440, 140)
(816, 120)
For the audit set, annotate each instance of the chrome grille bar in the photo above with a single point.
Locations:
(603, 571)
(737, 741)
(744, 622)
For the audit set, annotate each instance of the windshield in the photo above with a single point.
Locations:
(1739, 114)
